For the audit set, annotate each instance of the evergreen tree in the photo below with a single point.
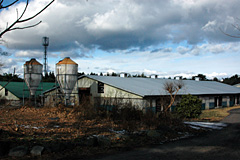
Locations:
(232, 80)
(189, 107)
(202, 77)
(215, 79)
(49, 77)
(80, 74)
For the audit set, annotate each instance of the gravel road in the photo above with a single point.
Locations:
(218, 145)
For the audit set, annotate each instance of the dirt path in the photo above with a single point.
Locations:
(223, 144)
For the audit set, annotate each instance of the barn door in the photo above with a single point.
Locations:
(84, 95)
(159, 106)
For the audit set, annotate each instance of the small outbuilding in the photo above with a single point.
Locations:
(14, 92)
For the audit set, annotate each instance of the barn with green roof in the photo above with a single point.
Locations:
(16, 91)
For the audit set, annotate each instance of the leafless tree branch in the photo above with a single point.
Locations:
(19, 19)
(37, 13)
(1, 6)
(26, 26)
(236, 26)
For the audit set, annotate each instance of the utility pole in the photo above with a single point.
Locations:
(45, 43)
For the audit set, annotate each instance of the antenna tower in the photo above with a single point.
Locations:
(45, 43)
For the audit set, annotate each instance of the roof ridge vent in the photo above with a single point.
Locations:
(153, 76)
(123, 74)
(197, 78)
(178, 77)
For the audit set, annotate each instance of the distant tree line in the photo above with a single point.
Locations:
(10, 76)
(232, 80)
(50, 77)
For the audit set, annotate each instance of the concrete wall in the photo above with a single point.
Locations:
(10, 96)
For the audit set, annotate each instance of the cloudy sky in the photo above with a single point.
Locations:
(167, 38)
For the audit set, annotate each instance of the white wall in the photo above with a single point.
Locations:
(10, 96)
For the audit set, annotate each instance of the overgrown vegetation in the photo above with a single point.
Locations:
(124, 116)
(189, 107)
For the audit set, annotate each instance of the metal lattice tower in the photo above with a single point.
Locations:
(45, 43)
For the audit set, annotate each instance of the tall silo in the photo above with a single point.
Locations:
(33, 75)
(66, 72)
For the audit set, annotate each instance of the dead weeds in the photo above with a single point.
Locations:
(50, 122)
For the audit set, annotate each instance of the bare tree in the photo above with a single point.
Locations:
(172, 88)
(20, 19)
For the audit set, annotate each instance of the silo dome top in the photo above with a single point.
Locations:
(66, 60)
(33, 61)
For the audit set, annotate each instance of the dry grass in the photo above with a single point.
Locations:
(68, 123)
(50, 123)
(216, 114)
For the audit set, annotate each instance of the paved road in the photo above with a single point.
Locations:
(216, 145)
(233, 118)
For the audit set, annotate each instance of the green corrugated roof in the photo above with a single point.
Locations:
(17, 88)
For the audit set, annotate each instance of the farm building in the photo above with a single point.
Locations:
(14, 92)
(148, 93)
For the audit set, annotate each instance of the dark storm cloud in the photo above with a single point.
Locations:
(119, 25)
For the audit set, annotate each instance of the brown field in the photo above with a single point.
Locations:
(50, 123)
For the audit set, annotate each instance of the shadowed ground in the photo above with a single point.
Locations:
(219, 144)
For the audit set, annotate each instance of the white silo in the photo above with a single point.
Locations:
(33, 75)
(66, 72)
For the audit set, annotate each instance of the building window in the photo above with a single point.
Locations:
(6, 92)
(100, 87)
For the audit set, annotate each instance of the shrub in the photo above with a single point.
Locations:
(85, 110)
(189, 107)
(150, 119)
